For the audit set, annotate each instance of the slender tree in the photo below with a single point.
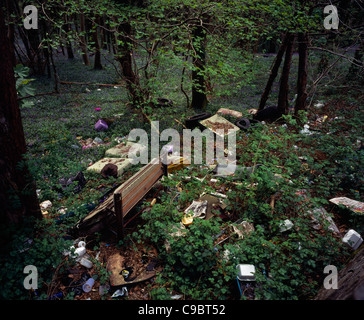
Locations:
(83, 42)
(273, 72)
(283, 86)
(302, 72)
(97, 61)
(199, 99)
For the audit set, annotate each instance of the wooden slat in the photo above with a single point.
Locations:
(135, 188)
(126, 196)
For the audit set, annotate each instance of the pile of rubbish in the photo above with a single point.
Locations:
(208, 205)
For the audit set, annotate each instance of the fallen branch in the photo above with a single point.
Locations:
(353, 60)
(95, 84)
(38, 94)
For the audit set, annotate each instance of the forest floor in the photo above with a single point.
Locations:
(56, 125)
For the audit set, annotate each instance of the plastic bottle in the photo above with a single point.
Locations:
(87, 286)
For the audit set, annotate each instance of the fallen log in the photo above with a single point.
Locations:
(94, 84)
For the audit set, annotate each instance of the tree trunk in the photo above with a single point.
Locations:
(302, 72)
(70, 50)
(97, 61)
(36, 52)
(283, 87)
(124, 57)
(18, 198)
(85, 58)
(273, 72)
(199, 99)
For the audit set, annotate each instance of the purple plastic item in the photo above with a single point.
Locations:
(97, 109)
(101, 125)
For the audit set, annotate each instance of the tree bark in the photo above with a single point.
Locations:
(302, 72)
(97, 61)
(18, 198)
(70, 54)
(85, 58)
(273, 72)
(199, 99)
(283, 87)
(124, 57)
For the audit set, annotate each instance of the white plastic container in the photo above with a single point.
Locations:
(246, 272)
(86, 262)
(87, 286)
(82, 244)
(79, 252)
(353, 239)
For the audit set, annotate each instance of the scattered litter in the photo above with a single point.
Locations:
(97, 256)
(246, 272)
(79, 252)
(62, 210)
(120, 292)
(225, 170)
(125, 273)
(123, 149)
(216, 123)
(26, 245)
(353, 239)
(306, 130)
(233, 113)
(101, 125)
(98, 140)
(79, 178)
(318, 105)
(176, 163)
(97, 109)
(285, 225)
(176, 296)
(88, 285)
(353, 205)
(187, 220)
(45, 205)
(58, 295)
(86, 262)
(104, 289)
(168, 148)
(81, 244)
(164, 102)
(321, 212)
(121, 163)
(322, 119)
(317, 213)
(76, 286)
(214, 201)
(232, 169)
(115, 266)
(253, 111)
(198, 209)
(243, 228)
